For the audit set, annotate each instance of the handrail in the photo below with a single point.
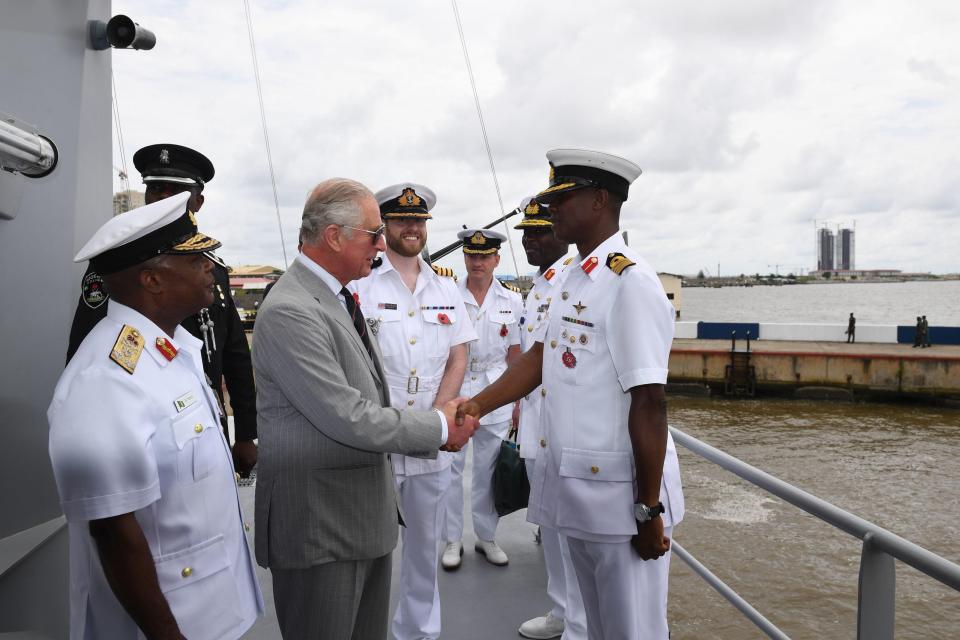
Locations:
(877, 540)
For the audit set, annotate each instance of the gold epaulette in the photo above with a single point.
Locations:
(446, 272)
(510, 287)
(619, 263)
(127, 349)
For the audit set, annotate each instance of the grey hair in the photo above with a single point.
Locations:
(334, 201)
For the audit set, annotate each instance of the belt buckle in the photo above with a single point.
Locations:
(413, 384)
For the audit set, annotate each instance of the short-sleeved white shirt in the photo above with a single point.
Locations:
(606, 334)
(150, 443)
(415, 332)
(497, 323)
(533, 324)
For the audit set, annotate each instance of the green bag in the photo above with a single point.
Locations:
(511, 488)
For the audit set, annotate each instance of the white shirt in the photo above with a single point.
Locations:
(150, 442)
(415, 332)
(606, 334)
(497, 323)
(533, 324)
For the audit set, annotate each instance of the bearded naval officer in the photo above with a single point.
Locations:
(145, 477)
(169, 169)
(607, 476)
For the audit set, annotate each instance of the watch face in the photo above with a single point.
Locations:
(641, 512)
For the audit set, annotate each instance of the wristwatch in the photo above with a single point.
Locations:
(643, 513)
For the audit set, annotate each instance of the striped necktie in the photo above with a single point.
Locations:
(357, 316)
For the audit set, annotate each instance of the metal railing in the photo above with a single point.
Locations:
(877, 585)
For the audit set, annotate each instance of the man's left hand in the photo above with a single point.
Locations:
(649, 541)
(244, 457)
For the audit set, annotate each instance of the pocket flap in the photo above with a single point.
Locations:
(383, 315)
(185, 428)
(439, 317)
(608, 466)
(502, 316)
(184, 568)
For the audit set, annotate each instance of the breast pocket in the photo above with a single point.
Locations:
(438, 330)
(200, 589)
(595, 493)
(576, 346)
(200, 447)
(385, 326)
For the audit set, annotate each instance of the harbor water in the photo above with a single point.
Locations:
(895, 465)
(896, 303)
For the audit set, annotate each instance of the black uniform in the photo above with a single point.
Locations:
(226, 354)
(228, 357)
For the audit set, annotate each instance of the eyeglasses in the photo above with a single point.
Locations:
(377, 234)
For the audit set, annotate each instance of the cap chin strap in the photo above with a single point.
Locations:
(174, 179)
(212, 257)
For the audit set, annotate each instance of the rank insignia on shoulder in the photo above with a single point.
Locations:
(619, 263)
(446, 272)
(127, 349)
(510, 287)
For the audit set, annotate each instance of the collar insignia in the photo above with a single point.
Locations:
(590, 264)
(166, 348)
(549, 274)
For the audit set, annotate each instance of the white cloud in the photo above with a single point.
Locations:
(751, 118)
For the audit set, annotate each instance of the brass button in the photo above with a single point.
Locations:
(413, 341)
(594, 469)
(198, 427)
(553, 344)
(187, 572)
(543, 391)
(543, 443)
(413, 372)
(537, 296)
(564, 295)
(530, 328)
(410, 313)
(409, 403)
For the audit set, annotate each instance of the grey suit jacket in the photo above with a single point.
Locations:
(325, 488)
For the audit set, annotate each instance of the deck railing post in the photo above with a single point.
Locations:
(876, 595)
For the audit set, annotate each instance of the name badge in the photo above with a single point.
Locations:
(185, 401)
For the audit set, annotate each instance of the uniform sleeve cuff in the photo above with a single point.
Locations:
(117, 504)
(444, 432)
(639, 377)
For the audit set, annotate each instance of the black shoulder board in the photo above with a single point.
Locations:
(619, 263)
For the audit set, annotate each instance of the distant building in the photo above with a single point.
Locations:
(671, 284)
(826, 243)
(123, 201)
(845, 250)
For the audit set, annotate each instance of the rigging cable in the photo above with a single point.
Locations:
(263, 123)
(483, 129)
(125, 181)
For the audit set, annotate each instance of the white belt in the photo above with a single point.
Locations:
(481, 367)
(414, 384)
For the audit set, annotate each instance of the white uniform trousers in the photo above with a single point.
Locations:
(418, 606)
(486, 447)
(562, 587)
(625, 598)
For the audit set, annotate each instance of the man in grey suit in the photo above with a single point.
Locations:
(326, 507)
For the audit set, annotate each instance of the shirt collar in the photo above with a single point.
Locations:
(181, 340)
(321, 273)
(553, 271)
(592, 264)
(496, 288)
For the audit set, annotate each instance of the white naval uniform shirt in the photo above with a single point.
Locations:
(150, 442)
(533, 324)
(606, 333)
(497, 323)
(415, 332)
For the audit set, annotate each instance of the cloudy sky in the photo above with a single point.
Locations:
(753, 120)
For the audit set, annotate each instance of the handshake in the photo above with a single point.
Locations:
(463, 418)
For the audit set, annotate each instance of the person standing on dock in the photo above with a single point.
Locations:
(918, 333)
(494, 311)
(607, 476)
(544, 251)
(924, 332)
(169, 169)
(417, 315)
(851, 328)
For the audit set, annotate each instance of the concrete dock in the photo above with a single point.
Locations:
(860, 369)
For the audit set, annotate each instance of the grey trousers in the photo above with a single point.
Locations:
(334, 601)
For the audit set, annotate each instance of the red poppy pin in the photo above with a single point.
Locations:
(569, 360)
(443, 318)
(504, 331)
(356, 298)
